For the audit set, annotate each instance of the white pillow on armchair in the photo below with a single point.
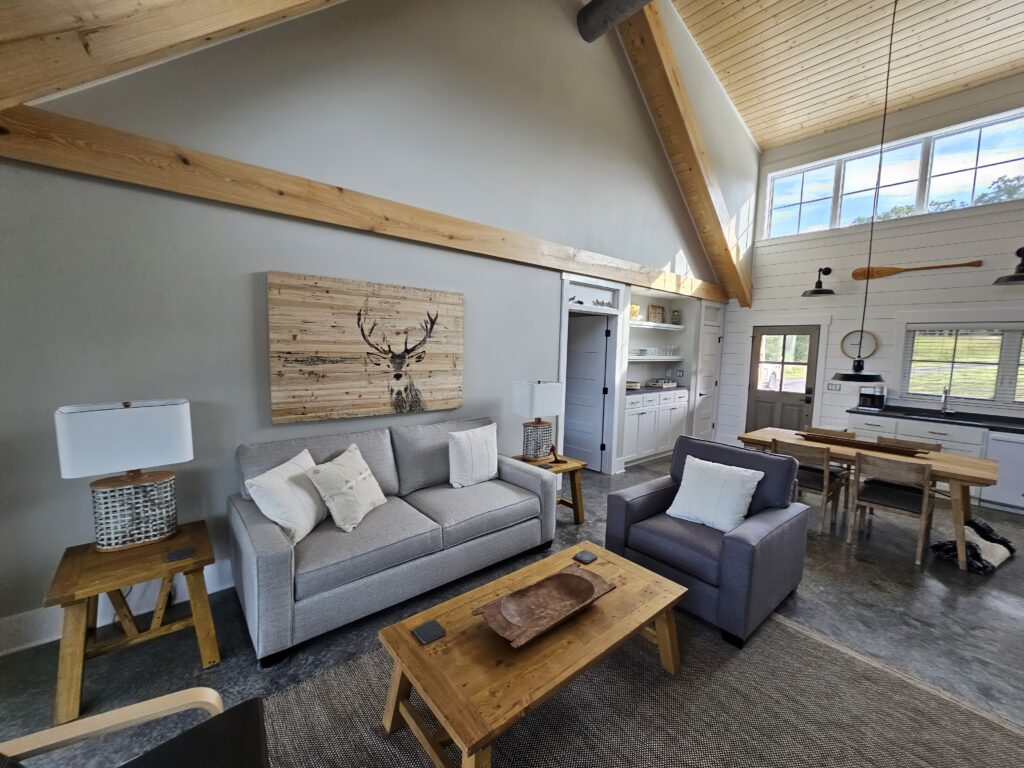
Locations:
(715, 495)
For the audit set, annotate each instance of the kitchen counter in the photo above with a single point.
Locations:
(993, 422)
(648, 390)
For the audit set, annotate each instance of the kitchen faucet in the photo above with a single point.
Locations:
(944, 400)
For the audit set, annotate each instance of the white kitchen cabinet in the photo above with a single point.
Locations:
(1008, 449)
(652, 422)
(631, 434)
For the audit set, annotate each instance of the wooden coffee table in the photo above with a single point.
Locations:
(477, 685)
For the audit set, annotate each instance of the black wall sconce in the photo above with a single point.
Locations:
(818, 290)
(1017, 276)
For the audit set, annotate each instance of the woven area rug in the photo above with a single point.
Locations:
(790, 698)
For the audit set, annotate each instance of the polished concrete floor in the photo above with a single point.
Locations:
(959, 631)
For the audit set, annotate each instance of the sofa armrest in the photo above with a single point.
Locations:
(262, 564)
(537, 481)
(633, 504)
(762, 561)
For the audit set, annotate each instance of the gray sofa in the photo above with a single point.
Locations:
(735, 579)
(425, 535)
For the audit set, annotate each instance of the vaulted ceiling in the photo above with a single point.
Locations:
(799, 68)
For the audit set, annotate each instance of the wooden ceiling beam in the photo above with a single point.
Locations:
(651, 56)
(33, 135)
(48, 47)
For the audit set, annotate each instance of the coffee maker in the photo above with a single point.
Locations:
(872, 398)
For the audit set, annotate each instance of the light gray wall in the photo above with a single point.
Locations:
(491, 110)
(733, 154)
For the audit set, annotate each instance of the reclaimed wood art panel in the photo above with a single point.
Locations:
(342, 348)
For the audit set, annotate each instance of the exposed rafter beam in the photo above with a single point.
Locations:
(650, 53)
(48, 46)
(36, 136)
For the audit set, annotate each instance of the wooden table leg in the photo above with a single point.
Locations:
(397, 692)
(576, 481)
(961, 498)
(71, 663)
(668, 640)
(162, 600)
(206, 633)
(124, 613)
(481, 759)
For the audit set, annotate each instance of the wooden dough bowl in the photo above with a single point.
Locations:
(529, 612)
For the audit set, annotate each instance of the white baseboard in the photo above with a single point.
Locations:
(24, 630)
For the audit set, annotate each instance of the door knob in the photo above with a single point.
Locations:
(701, 394)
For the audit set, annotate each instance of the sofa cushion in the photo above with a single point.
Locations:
(375, 446)
(465, 513)
(393, 534)
(421, 452)
(774, 490)
(689, 547)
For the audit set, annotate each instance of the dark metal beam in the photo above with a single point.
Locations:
(598, 16)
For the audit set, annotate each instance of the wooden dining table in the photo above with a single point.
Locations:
(960, 472)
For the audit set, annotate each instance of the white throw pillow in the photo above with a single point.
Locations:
(348, 487)
(288, 497)
(473, 456)
(715, 495)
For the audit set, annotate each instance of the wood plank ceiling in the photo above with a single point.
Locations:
(799, 68)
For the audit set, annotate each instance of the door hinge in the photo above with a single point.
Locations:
(603, 447)
(604, 391)
(712, 425)
(720, 339)
(607, 333)
(716, 382)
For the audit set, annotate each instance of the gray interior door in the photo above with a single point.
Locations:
(783, 364)
(585, 387)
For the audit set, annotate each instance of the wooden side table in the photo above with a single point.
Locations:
(572, 467)
(85, 573)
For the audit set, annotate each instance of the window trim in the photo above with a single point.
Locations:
(1004, 319)
(924, 177)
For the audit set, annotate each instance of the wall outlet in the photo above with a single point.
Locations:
(834, 386)
(679, 372)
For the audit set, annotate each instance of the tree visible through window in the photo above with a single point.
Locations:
(944, 171)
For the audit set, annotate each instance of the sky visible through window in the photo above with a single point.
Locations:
(945, 171)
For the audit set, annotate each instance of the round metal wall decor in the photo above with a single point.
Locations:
(855, 348)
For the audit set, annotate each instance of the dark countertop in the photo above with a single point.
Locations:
(988, 421)
(648, 390)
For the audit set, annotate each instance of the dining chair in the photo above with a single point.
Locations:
(895, 486)
(812, 476)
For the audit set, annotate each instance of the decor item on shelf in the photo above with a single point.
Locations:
(632, 385)
(136, 507)
(676, 317)
(655, 313)
(603, 303)
(857, 373)
(862, 273)
(818, 289)
(535, 399)
(343, 348)
(634, 311)
(1017, 276)
(528, 613)
(662, 383)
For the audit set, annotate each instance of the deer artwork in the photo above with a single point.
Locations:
(405, 395)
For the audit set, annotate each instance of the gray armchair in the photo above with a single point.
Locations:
(735, 579)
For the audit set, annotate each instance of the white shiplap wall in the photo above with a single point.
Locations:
(784, 267)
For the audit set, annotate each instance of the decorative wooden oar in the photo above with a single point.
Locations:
(861, 273)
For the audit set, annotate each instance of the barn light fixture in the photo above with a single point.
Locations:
(818, 290)
(1017, 276)
(858, 373)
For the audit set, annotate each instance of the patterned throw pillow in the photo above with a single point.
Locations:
(348, 487)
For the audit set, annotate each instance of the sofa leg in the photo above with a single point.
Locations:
(272, 660)
(543, 547)
(732, 639)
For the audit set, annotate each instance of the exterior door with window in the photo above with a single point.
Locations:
(783, 365)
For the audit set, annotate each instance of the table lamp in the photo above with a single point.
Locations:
(534, 399)
(136, 507)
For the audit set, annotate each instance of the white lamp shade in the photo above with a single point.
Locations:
(109, 437)
(536, 399)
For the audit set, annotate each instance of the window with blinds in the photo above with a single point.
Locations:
(971, 363)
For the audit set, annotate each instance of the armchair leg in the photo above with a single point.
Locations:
(733, 640)
(272, 660)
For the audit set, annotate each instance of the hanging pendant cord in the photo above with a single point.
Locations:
(878, 178)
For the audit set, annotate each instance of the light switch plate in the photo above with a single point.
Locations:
(835, 387)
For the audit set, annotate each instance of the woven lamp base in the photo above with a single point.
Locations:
(134, 509)
(538, 437)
